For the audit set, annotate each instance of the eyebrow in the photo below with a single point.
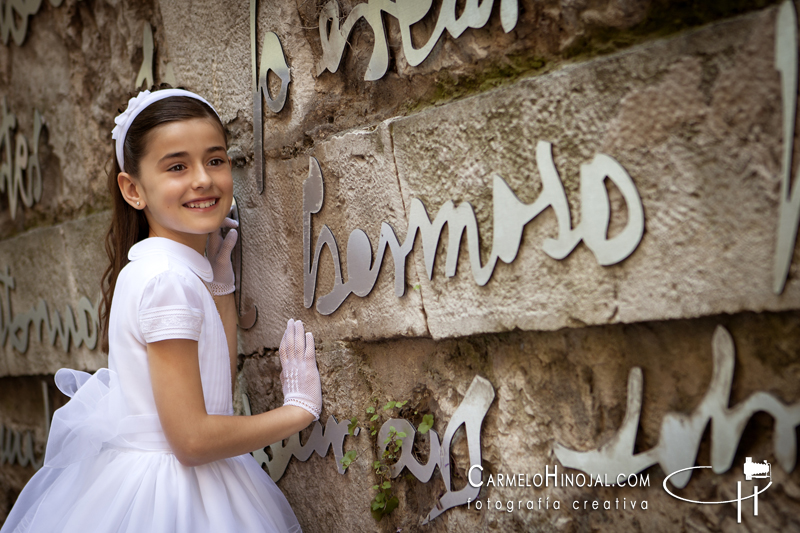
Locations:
(184, 154)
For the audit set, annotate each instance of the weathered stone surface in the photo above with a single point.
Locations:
(566, 387)
(694, 119)
(58, 265)
(548, 34)
(208, 44)
(664, 112)
(359, 172)
(76, 66)
(23, 409)
(79, 60)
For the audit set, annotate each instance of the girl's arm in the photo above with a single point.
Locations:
(195, 436)
(226, 307)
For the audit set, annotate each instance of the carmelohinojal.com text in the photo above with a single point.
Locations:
(553, 479)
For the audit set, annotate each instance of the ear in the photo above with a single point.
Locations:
(130, 189)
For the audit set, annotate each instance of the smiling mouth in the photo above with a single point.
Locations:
(202, 204)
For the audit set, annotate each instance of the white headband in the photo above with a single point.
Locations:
(136, 106)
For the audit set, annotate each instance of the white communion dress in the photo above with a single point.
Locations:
(108, 466)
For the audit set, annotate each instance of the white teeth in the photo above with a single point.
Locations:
(207, 203)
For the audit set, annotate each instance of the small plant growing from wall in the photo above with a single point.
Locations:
(385, 501)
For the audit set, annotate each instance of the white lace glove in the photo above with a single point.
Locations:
(299, 374)
(218, 252)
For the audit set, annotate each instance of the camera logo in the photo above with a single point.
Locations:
(751, 471)
(757, 470)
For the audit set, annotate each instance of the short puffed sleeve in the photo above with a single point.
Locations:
(171, 308)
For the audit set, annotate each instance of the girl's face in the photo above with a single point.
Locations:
(185, 185)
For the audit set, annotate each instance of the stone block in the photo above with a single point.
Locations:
(566, 387)
(694, 120)
(208, 45)
(700, 146)
(56, 273)
(361, 189)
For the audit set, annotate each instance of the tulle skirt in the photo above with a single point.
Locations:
(105, 472)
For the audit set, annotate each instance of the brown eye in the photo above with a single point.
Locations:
(176, 168)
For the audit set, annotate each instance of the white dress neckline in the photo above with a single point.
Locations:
(160, 245)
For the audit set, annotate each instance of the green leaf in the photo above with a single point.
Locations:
(376, 464)
(380, 498)
(348, 458)
(391, 505)
(399, 443)
(374, 418)
(370, 410)
(377, 514)
(386, 485)
(375, 487)
(373, 432)
(351, 427)
(387, 441)
(427, 424)
(401, 404)
(401, 434)
(389, 405)
(417, 287)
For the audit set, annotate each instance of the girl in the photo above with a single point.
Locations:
(149, 444)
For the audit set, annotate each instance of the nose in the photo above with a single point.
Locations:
(201, 179)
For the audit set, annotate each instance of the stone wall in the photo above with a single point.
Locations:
(680, 99)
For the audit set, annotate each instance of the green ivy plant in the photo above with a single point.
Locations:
(384, 501)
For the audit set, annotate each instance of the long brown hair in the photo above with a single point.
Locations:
(129, 225)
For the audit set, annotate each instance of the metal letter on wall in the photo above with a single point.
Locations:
(319, 441)
(72, 329)
(680, 434)
(475, 14)
(248, 319)
(145, 76)
(14, 16)
(789, 202)
(510, 217)
(20, 161)
(272, 58)
(470, 413)
(18, 446)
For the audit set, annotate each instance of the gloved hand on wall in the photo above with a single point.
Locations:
(218, 252)
(299, 375)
